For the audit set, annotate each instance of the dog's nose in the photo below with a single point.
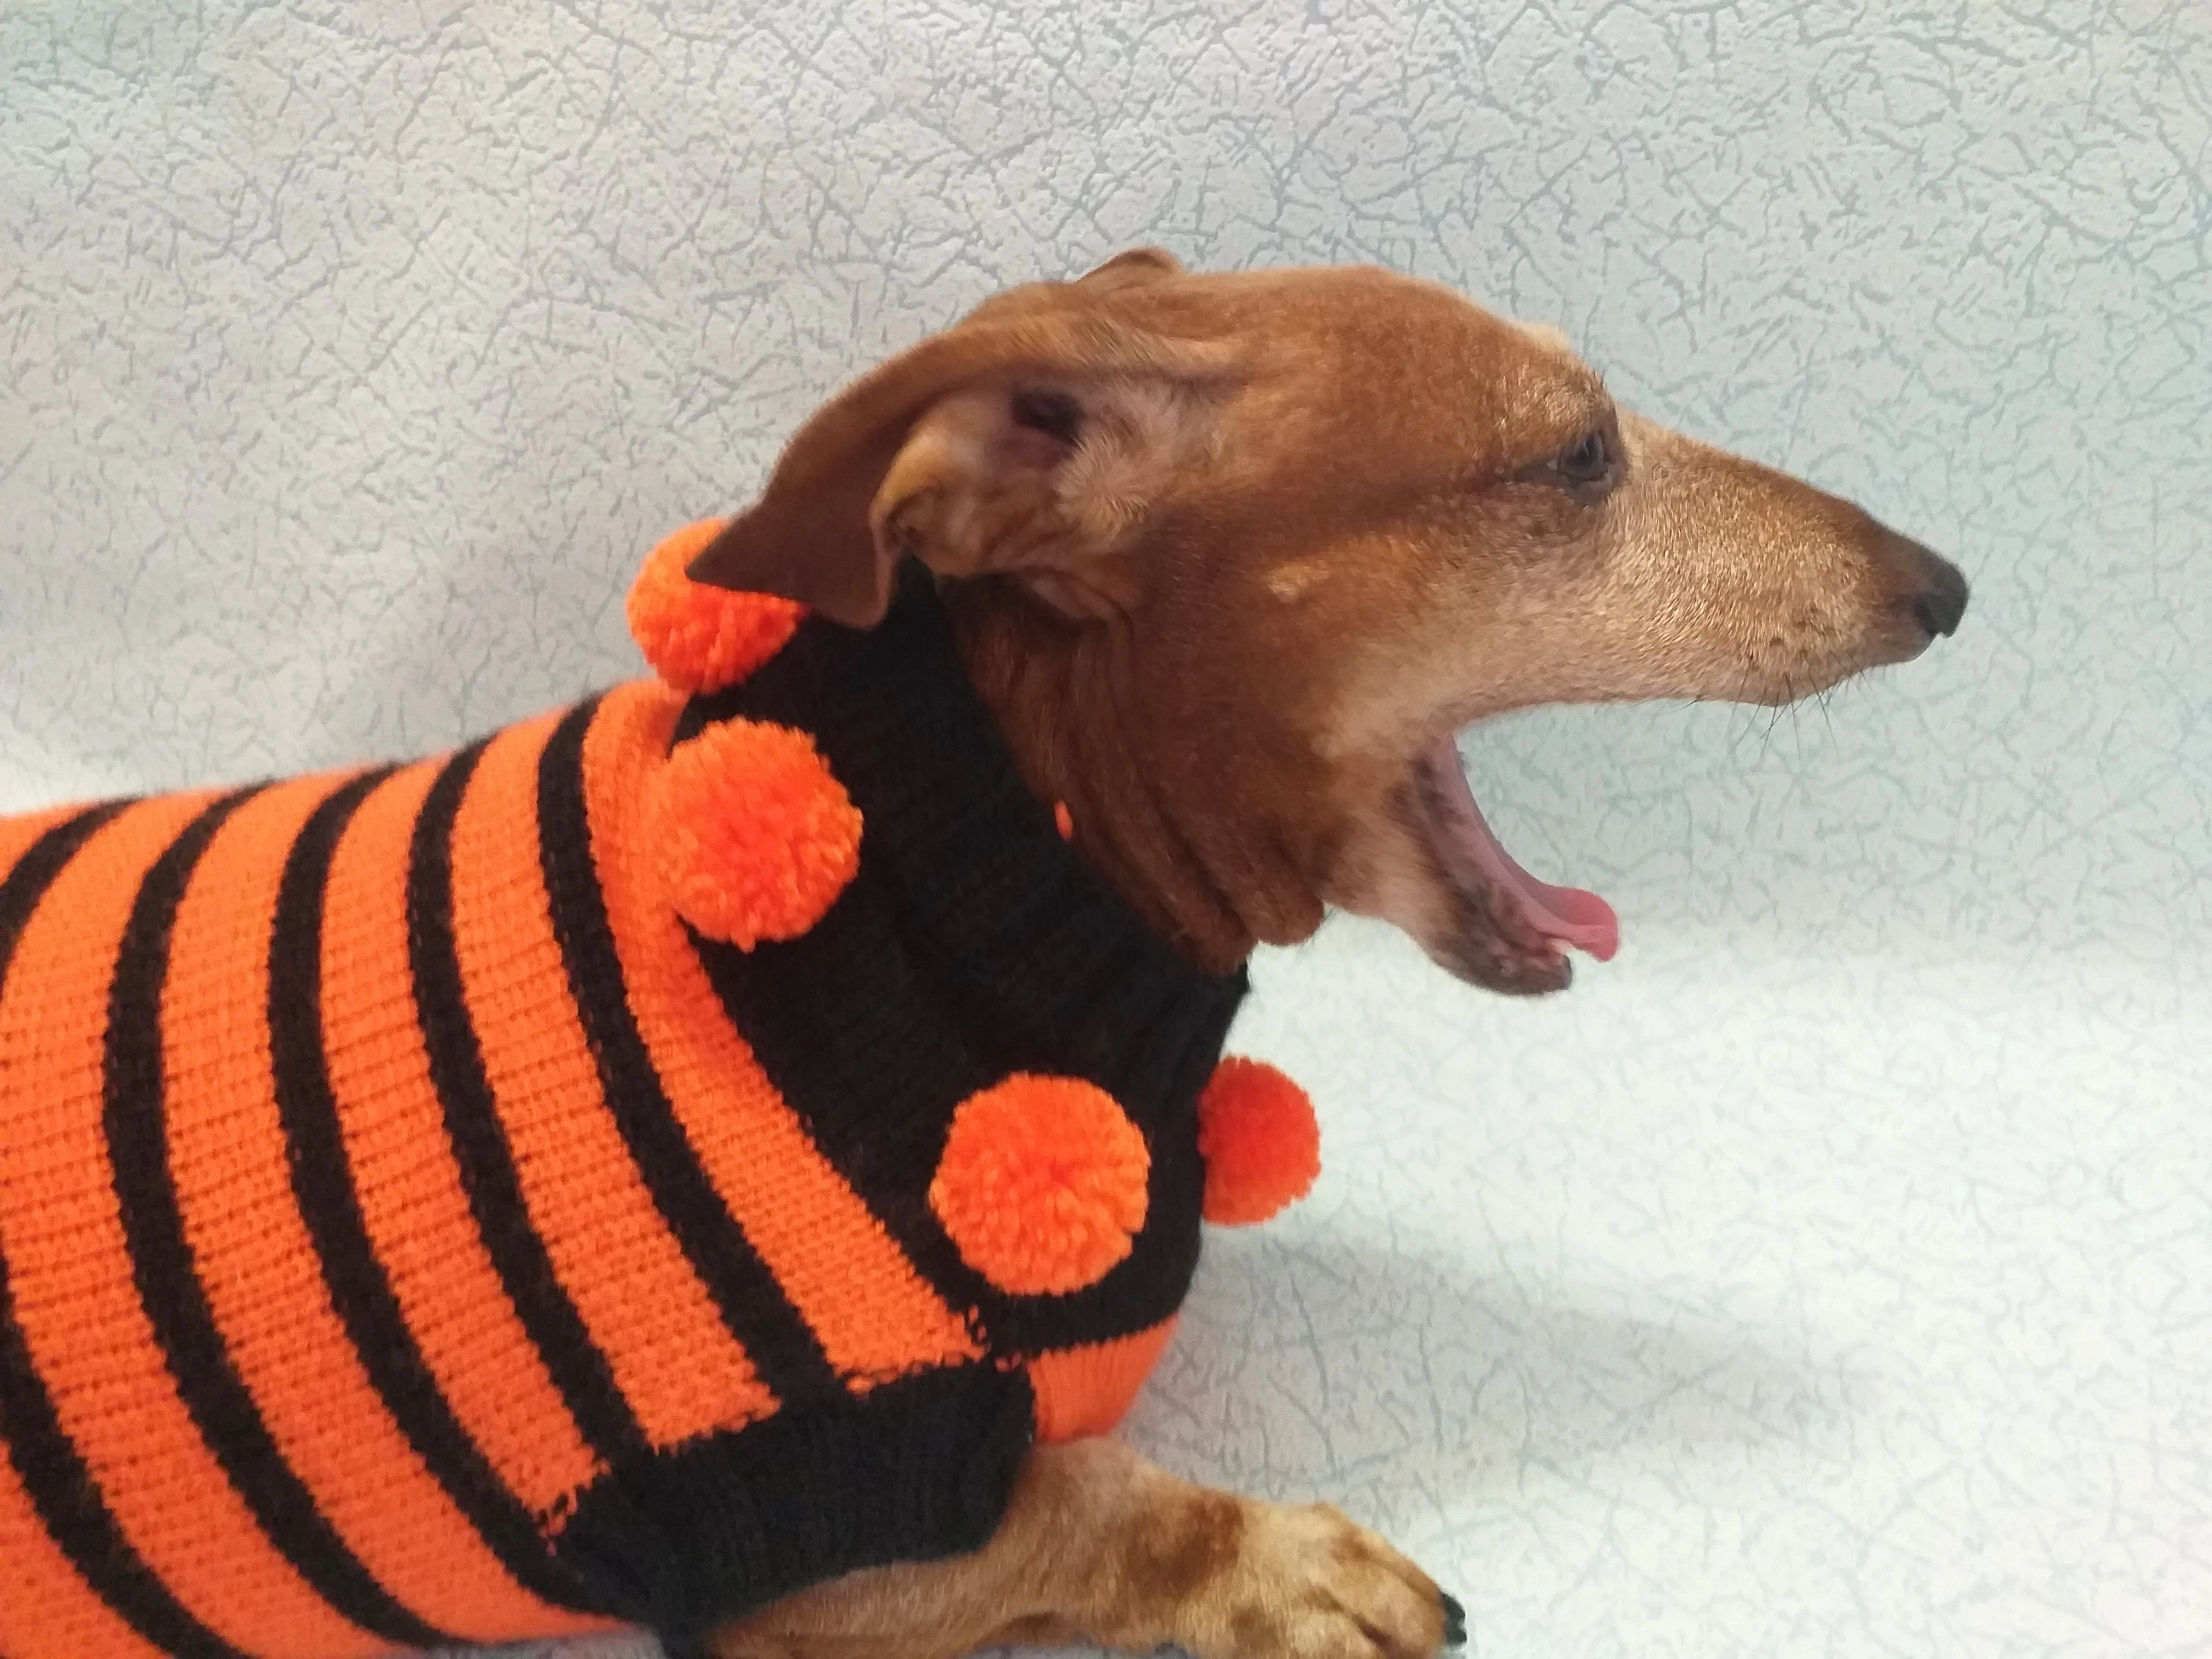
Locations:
(1938, 599)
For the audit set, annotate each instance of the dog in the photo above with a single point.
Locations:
(1226, 560)
(1233, 557)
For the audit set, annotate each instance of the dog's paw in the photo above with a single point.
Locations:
(1308, 1583)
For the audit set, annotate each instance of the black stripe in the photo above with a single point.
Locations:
(169, 1287)
(62, 1490)
(579, 1370)
(752, 1302)
(917, 1468)
(322, 1184)
(60, 1486)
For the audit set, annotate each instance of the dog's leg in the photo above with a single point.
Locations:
(1100, 1545)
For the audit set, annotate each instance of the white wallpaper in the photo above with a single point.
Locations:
(1831, 1273)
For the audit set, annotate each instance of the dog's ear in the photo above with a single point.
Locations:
(962, 452)
(1137, 266)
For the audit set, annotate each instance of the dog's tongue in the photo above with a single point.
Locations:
(1565, 914)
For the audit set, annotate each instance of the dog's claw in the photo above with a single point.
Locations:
(1455, 1621)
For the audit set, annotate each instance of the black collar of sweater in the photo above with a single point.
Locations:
(986, 887)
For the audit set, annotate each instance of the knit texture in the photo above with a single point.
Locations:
(1042, 1183)
(1259, 1142)
(413, 1232)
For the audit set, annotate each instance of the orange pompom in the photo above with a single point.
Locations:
(755, 838)
(1042, 1184)
(1261, 1146)
(700, 638)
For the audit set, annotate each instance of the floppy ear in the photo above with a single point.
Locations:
(951, 451)
(1137, 266)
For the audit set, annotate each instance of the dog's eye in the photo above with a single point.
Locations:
(1053, 413)
(1586, 461)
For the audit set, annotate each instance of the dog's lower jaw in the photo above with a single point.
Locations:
(1472, 944)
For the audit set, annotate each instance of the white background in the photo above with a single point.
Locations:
(1830, 1275)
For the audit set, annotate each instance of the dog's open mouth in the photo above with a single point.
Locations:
(1509, 931)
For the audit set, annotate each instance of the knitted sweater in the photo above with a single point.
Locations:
(414, 1230)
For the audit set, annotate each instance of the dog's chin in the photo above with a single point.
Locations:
(1488, 921)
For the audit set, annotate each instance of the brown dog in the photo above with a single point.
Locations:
(1232, 558)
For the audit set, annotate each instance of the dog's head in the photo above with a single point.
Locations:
(1234, 556)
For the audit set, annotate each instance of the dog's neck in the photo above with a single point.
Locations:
(1174, 841)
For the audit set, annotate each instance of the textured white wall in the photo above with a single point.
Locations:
(1833, 1272)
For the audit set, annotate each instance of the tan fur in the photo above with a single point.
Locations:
(1100, 1546)
(1227, 555)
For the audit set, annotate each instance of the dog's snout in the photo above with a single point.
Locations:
(1939, 606)
(1939, 610)
(1937, 597)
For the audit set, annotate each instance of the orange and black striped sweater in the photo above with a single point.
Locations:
(416, 1230)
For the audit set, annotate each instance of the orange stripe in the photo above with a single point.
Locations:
(258, 1262)
(875, 1317)
(1087, 1391)
(18, 835)
(44, 1607)
(413, 1205)
(75, 1300)
(671, 1355)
